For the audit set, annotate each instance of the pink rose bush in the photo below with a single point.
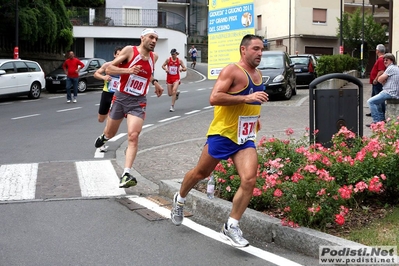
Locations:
(314, 186)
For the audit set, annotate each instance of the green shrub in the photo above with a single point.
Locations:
(336, 64)
(313, 186)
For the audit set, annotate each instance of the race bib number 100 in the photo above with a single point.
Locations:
(136, 85)
(246, 128)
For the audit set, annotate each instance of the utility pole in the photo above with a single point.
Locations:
(341, 47)
(362, 48)
(16, 49)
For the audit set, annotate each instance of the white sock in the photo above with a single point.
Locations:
(231, 222)
(126, 170)
(180, 199)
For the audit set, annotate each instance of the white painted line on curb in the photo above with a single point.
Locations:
(25, 116)
(98, 178)
(168, 119)
(18, 181)
(208, 107)
(264, 255)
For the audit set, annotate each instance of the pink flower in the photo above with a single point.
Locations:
(287, 209)
(228, 188)
(289, 131)
(344, 210)
(277, 193)
(360, 186)
(321, 192)
(314, 210)
(257, 192)
(345, 192)
(339, 219)
(375, 185)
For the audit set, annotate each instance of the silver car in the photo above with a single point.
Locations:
(21, 77)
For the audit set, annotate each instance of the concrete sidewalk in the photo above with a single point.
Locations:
(162, 162)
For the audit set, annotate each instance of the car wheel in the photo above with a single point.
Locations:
(82, 86)
(35, 90)
(288, 92)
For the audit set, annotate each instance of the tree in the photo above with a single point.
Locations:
(43, 21)
(84, 3)
(352, 32)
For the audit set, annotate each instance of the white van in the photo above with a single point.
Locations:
(21, 77)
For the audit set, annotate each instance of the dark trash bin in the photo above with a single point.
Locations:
(330, 109)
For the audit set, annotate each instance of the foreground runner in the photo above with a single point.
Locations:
(237, 96)
(135, 65)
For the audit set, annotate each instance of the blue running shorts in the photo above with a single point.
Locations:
(222, 148)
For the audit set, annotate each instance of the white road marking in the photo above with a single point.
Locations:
(192, 112)
(98, 154)
(115, 138)
(149, 125)
(168, 119)
(18, 181)
(6, 103)
(25, 116)
(56, 97)
(201, 89)
(264, 255)
(69, 109)
(208, 107)
(29, 101)
(98, 178)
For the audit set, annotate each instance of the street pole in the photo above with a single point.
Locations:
(16, 49)
(341, 48)
(362, 48)
(289, 28)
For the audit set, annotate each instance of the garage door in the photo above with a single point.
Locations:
(104, 48)
(319, 50)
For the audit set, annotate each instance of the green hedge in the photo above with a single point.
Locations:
(336, 64)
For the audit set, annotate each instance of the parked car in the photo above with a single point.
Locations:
(56, 80)
(21, 77)
(278, 74)
(304, 66)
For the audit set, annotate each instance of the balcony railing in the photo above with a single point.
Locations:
(126, 17)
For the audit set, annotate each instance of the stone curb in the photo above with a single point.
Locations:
(255, 225)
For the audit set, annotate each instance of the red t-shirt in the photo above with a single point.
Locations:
(378, 66)
(71, 64)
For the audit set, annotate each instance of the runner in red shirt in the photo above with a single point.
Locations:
(71, 68)
(173, 66)
(135, 65)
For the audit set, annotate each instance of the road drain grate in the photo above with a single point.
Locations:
(150, 215)
(130, 204)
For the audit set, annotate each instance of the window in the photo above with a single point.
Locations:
(259, 22)
(8, 67)
(21, 67)
(319, 15)
(279, 42)
(33, 67)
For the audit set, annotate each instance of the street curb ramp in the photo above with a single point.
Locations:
(255, 225)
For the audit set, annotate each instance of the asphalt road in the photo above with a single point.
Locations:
(54, 210)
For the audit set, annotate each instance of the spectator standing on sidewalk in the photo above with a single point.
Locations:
(193, 55)
(173, 66)
(71, 68)
(376, 72)
(390, 90)
(237, 96)
(135, 65)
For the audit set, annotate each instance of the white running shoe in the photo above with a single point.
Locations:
(74, 100)
(171, 109)
(103, 148)
(68, 101)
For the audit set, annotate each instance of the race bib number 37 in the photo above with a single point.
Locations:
(246, 128)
